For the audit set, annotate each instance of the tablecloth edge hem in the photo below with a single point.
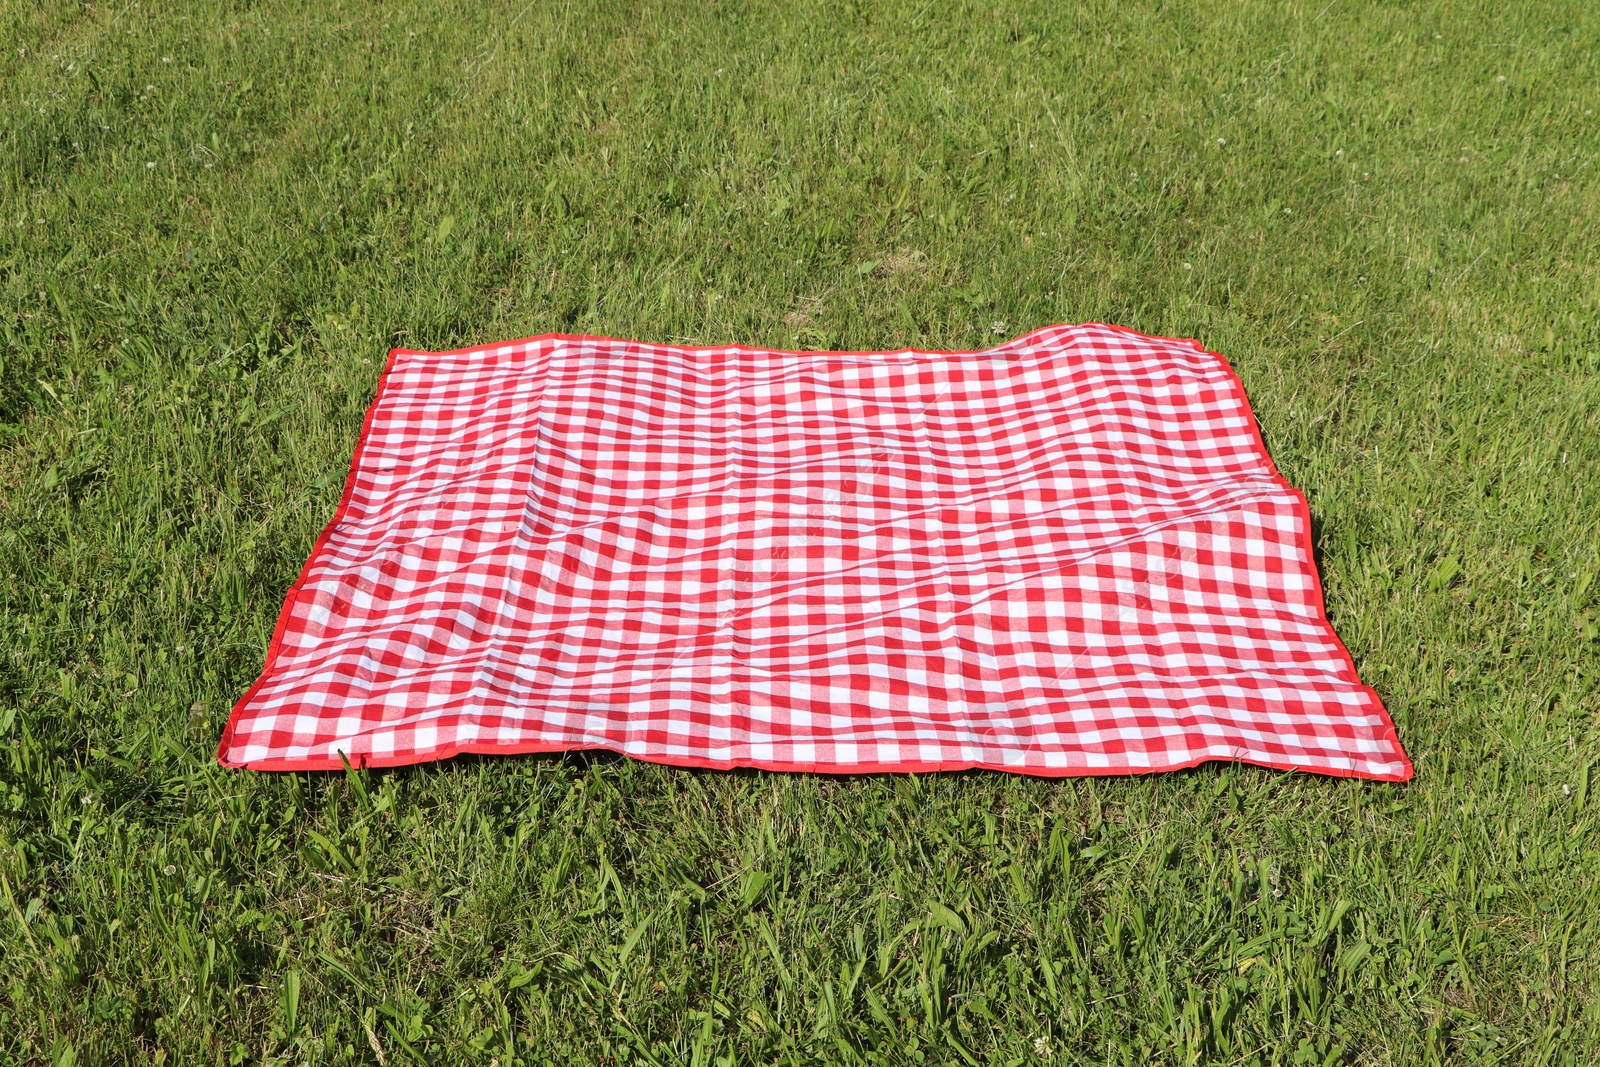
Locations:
(275, 646)
(337, 763)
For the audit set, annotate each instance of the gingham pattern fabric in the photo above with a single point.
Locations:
(1066, 555)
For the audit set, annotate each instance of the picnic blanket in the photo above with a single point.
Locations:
(1067, 555)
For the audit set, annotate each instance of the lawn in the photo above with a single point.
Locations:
(215, 220)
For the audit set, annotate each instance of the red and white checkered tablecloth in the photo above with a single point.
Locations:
(1066, 555)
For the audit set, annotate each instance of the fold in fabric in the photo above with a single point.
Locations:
(1067, 555)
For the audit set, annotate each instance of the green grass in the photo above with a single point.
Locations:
(215, 218)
